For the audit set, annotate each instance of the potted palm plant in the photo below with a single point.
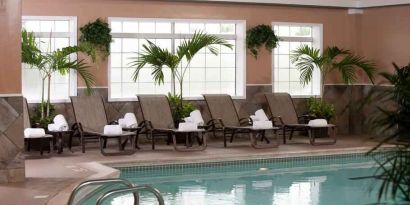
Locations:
(333, 59)
(394, 169)
(54, 61)
(160, 59)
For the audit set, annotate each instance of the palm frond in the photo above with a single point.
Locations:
(306, 59)
(30, 53)
(200, 40)
(349, 65)
(158, 58)
(83, 70)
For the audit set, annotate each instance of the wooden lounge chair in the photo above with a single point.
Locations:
(283, 112)
(225, 118)
(90, 116)
(47, 138)
(158, 121)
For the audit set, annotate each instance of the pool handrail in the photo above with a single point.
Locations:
(101, 181)
(133, 190)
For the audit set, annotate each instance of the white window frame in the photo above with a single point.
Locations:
(72, 33)
(240, 46)
(316, 39)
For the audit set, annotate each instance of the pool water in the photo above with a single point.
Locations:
(301, 181)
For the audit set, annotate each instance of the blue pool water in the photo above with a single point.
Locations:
(293, 181)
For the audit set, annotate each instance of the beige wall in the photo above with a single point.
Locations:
(10, 66)
(386, 35)
(339, 27)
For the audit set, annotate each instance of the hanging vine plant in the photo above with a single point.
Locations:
(98, 34)
(259, 35)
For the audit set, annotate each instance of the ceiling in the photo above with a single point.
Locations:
(327, 3)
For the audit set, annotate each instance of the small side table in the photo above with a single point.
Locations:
(58, 136)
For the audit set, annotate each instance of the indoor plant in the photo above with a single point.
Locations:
(98, 34)
(54, 61)
(394, 168)
(161, 59)
(259, 35)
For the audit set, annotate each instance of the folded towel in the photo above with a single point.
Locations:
(197, 117)
(122, 123)
(60, 123)
(261, 116)
(188, 119)
(262, 124)
(253, 117)
(52, 127)
(187, 126)
(130, 120)
(318, 123)
(34, 132)
(112, 130)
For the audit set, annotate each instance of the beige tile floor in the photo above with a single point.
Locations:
(52, 173)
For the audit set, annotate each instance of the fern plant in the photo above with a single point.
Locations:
(261, 35)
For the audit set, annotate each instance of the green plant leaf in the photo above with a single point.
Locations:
(259, 35)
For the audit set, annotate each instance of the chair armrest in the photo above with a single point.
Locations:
(115, 122)
(214, 122)
(246, 121)
(304, 119)
(146, 124)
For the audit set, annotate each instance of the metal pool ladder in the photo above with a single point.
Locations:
(130, 188)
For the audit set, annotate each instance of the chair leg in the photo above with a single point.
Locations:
(51, 145)
(70, 141)
(105, 143)
(28, 144)
(41, 146)
(224, 138)
(233, 133)
(82, 143)
(152, 141)
(291, 134)
(284, 135)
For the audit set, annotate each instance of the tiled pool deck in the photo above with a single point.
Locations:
(51, 178)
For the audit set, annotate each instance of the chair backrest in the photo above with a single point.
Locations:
(221, 106)
(281, 104)
(90, 112)
(26, 114)
(156, 109)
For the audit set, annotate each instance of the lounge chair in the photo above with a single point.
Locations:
(225, 118)
(283, 112)
(46, 138)
(158, 121)
(90, 117)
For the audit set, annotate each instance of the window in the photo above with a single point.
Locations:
(51, 33)
(207, 73)
(286, 77)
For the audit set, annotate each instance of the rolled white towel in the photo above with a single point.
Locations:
(197, 117)
(318, 123)
(34, 132)
(188, 119)
(187, 126)
(261, 116)
(121, 122)
(262, 124)
(130, 120)
(52, 127)
(60, 123)
(112, 130)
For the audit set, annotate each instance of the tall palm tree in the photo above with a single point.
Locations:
(332, 59)
(161, 59)
(55, 61)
